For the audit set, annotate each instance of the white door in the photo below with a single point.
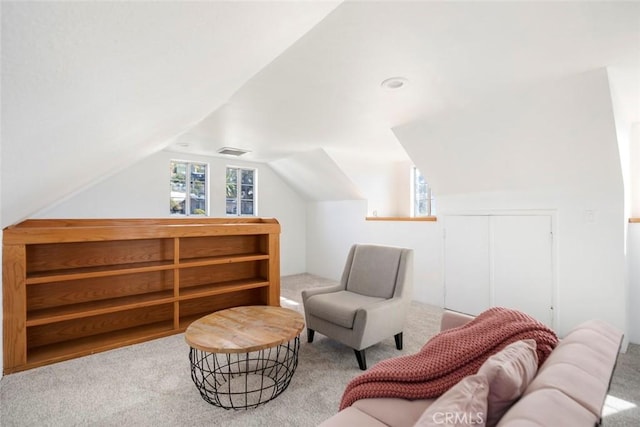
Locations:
(466, 257)
(522, 271)
(499, 260)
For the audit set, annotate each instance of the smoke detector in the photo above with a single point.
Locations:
(394, 83)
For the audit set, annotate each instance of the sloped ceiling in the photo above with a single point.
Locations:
(308, 174)
(92, 86)
(525, 142)
(325, 90)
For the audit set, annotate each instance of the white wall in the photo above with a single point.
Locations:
(551, 148)
(142, 191)
(634, 167)
(633, 257)
(1, 288)
(385, 184)
(332, 227)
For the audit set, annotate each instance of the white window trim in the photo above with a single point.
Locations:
(255, 192)
(430, 198)
(188, 183)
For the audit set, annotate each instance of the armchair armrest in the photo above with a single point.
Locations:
(308, 293)
(383, 318)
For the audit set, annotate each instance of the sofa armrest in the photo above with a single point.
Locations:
(453, 319)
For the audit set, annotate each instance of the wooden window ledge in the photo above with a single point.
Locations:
(401, 218)
(634, 220)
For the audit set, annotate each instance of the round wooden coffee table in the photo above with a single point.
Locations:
(243, 357)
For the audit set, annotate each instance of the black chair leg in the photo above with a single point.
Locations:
(310, 333)
(362, 360)
(398, 338)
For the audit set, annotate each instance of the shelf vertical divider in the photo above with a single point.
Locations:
(273, 273)
(14, 275)
(176, 283)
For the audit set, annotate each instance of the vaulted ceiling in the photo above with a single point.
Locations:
(91, 87)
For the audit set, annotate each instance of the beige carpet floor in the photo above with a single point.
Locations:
(149, 384)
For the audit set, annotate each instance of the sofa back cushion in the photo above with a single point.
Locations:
(547, 407)
(508, 372)
(582, 364)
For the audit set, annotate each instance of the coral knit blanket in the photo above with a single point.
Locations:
(449, 356)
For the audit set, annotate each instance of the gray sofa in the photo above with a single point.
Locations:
(569, 389)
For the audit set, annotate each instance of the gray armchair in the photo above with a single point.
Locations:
(370, 303)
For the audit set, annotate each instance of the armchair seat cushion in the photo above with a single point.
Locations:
(339, 307)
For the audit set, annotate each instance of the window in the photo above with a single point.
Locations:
(421, 196)
(188, 178)
(241, 191)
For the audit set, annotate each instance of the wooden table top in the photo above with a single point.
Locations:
(244, 329)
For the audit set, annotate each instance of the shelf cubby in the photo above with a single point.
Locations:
(193, 309)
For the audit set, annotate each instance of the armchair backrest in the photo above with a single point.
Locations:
(378, 271)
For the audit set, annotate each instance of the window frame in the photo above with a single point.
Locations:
(188, 186)
(238, 196)
(429, 199)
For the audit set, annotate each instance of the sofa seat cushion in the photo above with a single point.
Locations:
(465, 404)
(350, 417)
(394, 411)
(547, 407)
(339, 307)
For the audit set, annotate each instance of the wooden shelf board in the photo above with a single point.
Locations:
(199, 262)
(221, 288)
(44, 232)
(102, 271)
(84, 346)
(94, 308)
(402, 218)
(187, 320)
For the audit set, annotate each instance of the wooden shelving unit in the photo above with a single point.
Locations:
(77, 287)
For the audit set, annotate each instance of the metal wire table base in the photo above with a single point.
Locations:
(244, 380)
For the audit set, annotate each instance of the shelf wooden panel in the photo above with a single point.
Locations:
(221, 273)
(221, 288)
(200, 262)
(73, 329)
(193, 309)
(105, 254)
(45, 231)
(91, 272)
(60, 293)
(219, 246)
(93, 308)
(57, 352)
